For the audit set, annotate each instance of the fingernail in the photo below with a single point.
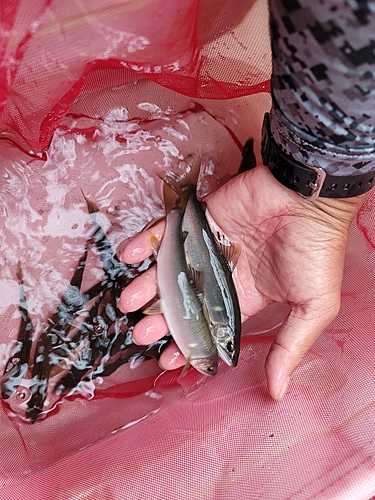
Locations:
(283, 389)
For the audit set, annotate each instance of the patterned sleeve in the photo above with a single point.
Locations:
(323, 82)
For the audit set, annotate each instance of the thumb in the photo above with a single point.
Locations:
(297, 334)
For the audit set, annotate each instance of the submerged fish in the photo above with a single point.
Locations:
(179, 300)
(208, 260)
(86, 336)
(18, 363)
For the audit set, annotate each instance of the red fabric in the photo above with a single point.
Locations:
(110, 128)
(50, 49)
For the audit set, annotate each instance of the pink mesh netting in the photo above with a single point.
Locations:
(53, 51)
(104, 94)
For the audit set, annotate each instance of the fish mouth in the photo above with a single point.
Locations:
(231, 359)
(227, 343)
(206, 366)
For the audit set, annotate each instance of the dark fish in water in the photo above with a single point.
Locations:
(48, 354)
(17, 378)
(54, 336)
(18, 364)
(86, 333)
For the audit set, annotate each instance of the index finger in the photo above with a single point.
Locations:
(140, 246)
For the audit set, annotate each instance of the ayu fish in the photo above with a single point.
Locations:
(179, 300)
(209, 263)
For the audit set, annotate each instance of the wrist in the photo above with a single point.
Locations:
(338, 213)
(341, 209)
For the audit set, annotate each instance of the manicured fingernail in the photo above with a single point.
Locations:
(283, 389)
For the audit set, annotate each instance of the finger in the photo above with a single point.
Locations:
(139, 292)
(150, 329)
(140, 246)
(172, 358)
(296, 336)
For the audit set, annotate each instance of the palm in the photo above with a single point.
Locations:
(289, 255)
(293, 252)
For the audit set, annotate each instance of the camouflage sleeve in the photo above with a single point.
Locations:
(323, 82)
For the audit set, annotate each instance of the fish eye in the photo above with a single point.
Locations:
(229, 346)
(23, 393)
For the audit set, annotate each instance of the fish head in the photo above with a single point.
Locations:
(226, 344)
(17, 403)
(14, 373)
(206, 365)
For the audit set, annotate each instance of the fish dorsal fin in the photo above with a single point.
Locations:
(155, 308)
(230, 251)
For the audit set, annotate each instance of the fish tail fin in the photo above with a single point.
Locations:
(177, 189)
(19, 273)
(91, 206)
(191, 175)
(184, 198)
(171, 198)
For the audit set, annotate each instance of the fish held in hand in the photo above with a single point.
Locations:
(179, 301)
(214, 261)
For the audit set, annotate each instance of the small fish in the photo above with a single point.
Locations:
(35, 368)
(179, 301)
(18, 363)
(209, 259)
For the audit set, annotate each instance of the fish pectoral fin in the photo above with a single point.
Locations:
(155, 245)
(230, 251)
(233, 255)
(185, 368)
(155, 308)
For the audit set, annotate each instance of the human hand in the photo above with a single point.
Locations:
(293, 252)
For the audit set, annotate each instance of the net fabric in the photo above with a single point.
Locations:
(51, 49)
(147, 434)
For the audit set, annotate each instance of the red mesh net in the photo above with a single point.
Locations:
(53, 51)
(117, 90)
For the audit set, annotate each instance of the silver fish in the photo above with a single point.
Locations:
(179, 300)
(206, 258)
